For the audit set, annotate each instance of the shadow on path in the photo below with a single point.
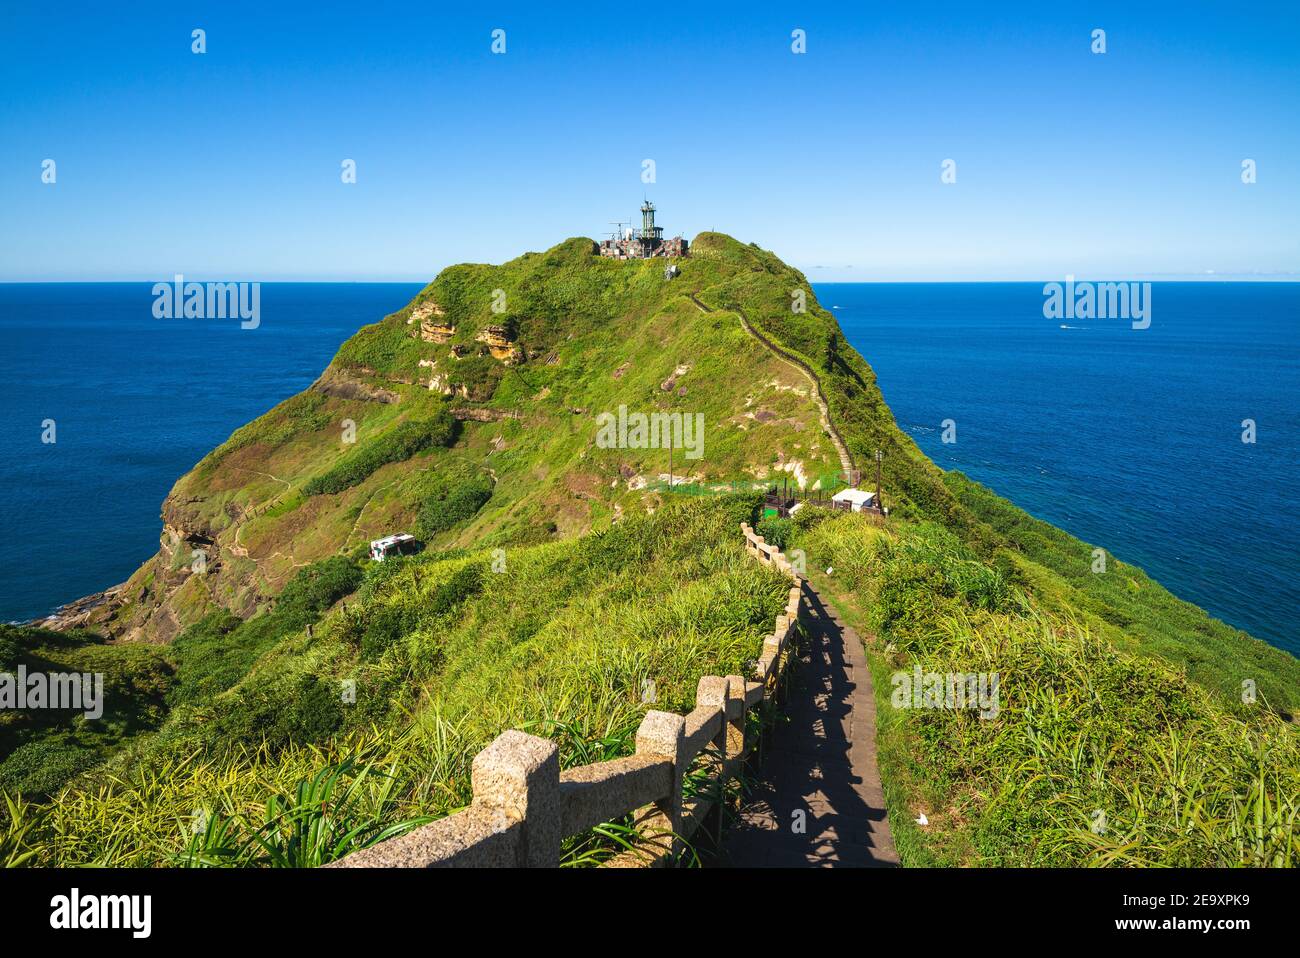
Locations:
(818, 760)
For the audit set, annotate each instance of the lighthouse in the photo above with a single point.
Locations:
(644, 243)
(650, 234)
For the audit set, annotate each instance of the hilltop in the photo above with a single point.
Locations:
(559, 575)
(477, 427)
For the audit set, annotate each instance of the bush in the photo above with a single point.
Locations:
(216, 653)
(396, 445)
(296, 711)
(450, 502)
(386, 623)
(775, 530)
(384, 626)
(10, 648)
(40, 768)
(317, 587)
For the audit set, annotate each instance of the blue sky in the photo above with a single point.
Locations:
(226, 165)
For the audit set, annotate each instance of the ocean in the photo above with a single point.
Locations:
(1128, 438)
(136, 402)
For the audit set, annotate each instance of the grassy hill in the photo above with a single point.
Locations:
(563, 588)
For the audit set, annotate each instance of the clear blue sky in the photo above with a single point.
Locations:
(226, 165)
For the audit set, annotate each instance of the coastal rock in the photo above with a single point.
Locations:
(338, 383)
(500, 345)
(433, 327)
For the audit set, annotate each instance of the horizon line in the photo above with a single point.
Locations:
(1141, 278)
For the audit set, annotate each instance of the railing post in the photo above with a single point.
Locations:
(714, 692)
(734, 726)
(711, 692)
(520, 775)
(663, 734)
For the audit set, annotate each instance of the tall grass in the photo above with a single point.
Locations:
(1097, 756)
(572, 640)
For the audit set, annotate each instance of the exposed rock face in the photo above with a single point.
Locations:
(336, 383)
(465, 414)
(441, 383)
(500, 345)
(83, 613)
(433, 327)
(235, 531)
(436, 332)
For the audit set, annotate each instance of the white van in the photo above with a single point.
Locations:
(400, 544)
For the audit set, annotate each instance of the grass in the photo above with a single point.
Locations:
(597, 334)
(40, 750)
(1134, 611)
(340, 809)
(559, 577)
(450, 498)
(217, 652)
(1098, 756)
(398, 444)
(562, 642)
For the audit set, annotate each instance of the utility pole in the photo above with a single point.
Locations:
(880, 503)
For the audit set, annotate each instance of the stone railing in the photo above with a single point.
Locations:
(765, 552)
(524, 806)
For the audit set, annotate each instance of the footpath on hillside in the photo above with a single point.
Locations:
(818, 397)
(818, 799)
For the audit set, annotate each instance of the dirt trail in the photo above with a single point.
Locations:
(841, 448)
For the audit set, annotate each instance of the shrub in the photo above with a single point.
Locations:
(451, 502)
(216, 653)
(206, 660)
(384, 626)
(40, 768)
(386, 623)
(298, 711)
(396, 445)
(317, 587)
(776, 531)
(10, 648)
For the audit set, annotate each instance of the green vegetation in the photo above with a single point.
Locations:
(450, 498)
(1128, 608)
(775, 530)
(396, 445)
(214, 654)
(41, 749)
(445, 653)
(304, 413)
(346, 698)
(1096, 756)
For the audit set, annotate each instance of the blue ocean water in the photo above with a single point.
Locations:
(136, 402)
(1128, 438)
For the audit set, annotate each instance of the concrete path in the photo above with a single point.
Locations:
(820, 760)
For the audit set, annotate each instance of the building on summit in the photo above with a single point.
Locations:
(648, 241)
